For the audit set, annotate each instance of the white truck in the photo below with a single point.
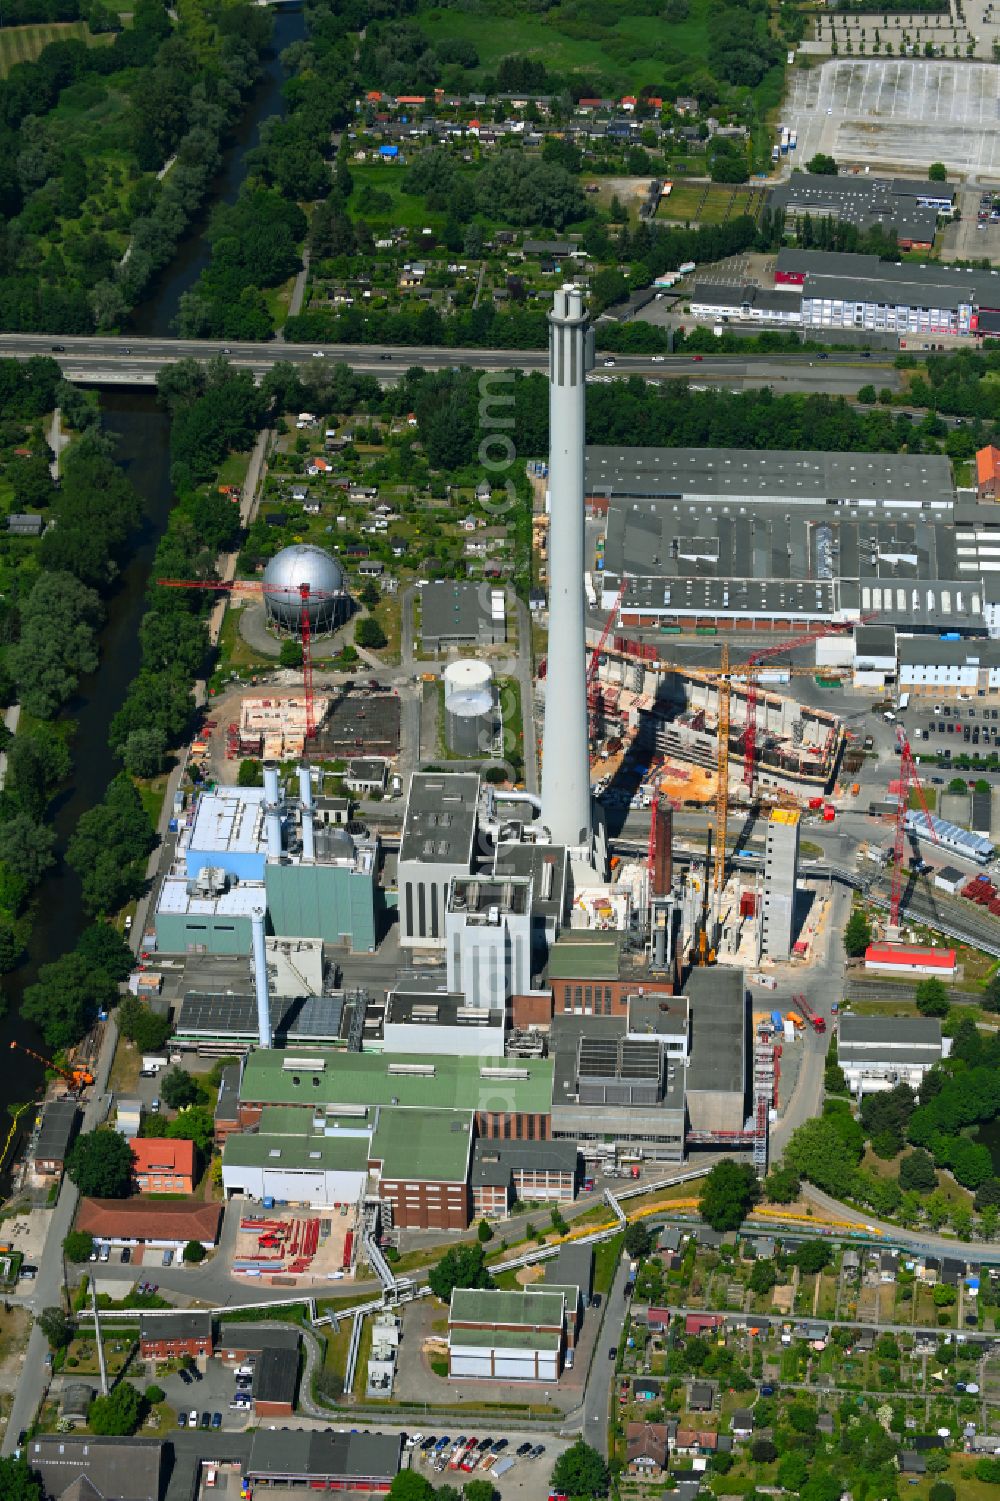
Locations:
(152, 1063)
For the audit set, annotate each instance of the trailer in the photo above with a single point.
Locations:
(816, 1022)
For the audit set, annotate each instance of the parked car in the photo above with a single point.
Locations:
(185, 1376)
(217, 1420)
(167, 1259)
(182, 1420)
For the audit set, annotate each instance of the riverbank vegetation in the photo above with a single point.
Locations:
(90, 211)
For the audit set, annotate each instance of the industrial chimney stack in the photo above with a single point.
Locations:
(566, 800)
(272, 810)
(306, 808)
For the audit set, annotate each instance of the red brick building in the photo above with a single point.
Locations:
(168, 1335)
(162, 1165)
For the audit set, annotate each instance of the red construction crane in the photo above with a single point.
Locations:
(252, 586)
(78, 1078)
(907, 778)
(752, 666)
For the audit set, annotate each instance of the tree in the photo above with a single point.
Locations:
(957, 784)
(110, 847)
(857, 934)
(58, 642)
(812, 1256)
(916, 1172)
(141, 1026)
(822, 165)
(820, 1153)
(66, 998)
(118, 1414)
(943, 1295)
(369, 595)
(194, 1252)
(178, 1089)
(369, 634)
(485, 1231)
(143, 751)
(763, 1451)
(26, 847)
(18, 1483)
(932, 998)
(937, 172)
(782, 1185)
(476, 1490)
(942, 1490)
(100, 1165)
(290, 654)
(410, 1485)
(462, 1266)
(867, 395)
(580, 1471)
(763, 1277)
(197, 1124)
(638, 1241)
(728, 1194)
(78, 1245)
(56, 1327)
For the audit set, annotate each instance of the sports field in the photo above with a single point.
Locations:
(22, 44)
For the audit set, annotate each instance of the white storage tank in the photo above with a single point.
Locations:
(468, 708)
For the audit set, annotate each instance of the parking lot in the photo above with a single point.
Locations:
(902, 113)
(211, 1391)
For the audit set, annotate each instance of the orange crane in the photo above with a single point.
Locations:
(77, 1078)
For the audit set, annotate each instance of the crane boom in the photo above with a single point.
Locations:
(79, 1078)
(908, 778)
(256, 586)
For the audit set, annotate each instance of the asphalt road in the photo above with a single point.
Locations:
(115, 361)
(602, 1369)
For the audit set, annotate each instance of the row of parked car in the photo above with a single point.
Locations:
(464, 1453)
(190, 1419)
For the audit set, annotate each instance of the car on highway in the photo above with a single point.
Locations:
(609, 364)
(385, 356)
(612, 1352)
(59, 349)
(657, 359)
(318, 354)
(697, 358)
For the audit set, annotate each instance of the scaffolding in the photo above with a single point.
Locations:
(764, 1085)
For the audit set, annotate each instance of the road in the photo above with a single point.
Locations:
(597, 1394)
(113, 361)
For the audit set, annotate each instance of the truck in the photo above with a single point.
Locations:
(776, 1021)
(795, 1019)
(686, 267)
(152, 1063)
(816, 1022)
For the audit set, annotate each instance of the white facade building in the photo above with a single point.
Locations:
(488, 939)
(878, 1053)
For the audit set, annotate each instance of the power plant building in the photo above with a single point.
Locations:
(462, 614)
(718, 1072)
(781, 873)
(488, 939)
(438, 844)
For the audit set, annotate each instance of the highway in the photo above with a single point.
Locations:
(134, 361)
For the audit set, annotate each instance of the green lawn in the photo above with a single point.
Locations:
(22, 44)
(628, 52)
(709, 203)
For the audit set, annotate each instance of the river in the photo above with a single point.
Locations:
(141, 433)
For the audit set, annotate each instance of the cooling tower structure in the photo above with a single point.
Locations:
(567, 808)
(469, 714)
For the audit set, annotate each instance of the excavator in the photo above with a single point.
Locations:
(76, 1078)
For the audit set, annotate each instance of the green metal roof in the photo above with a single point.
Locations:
(432, 1145)
(526, 1307)
(505, 1339)
(324, 1153)
(442, 1083)
(575, 958)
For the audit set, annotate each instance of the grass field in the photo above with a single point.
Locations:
(22, 44)
(627, 52)
(707, 203)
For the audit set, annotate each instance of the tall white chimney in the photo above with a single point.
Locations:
(306, 809)
(260, 977)
(272, 810)
(566, 802)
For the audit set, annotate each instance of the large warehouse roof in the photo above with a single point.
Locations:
(783, 476)
(410, 1080)
(440, 822)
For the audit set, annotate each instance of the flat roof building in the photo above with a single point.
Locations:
(877, 1053)
(456, 614)
(438, 840)
(907, 209)
(433, 1022)
(421, 1159)
(60, 1119)
(324, 1460)
(607, 1089)
(717, 1073)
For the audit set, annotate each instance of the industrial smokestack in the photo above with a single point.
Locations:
(306, 809)
(662, 873)
(272, 810)
(566, 802)
(260, 977)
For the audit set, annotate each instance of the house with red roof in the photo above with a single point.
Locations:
(162, 1165)
(988, 472)
(911, 959)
